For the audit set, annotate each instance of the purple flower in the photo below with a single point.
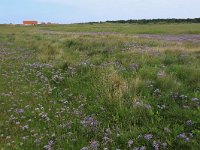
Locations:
(84, 148)
(161, 74)
(25, 127)
(164, 145)
(130, 143)
(178, 96)
(134, 67)
(20, 111)
(89, 122)
(24, 138)
(195, 99)
(37, 141)
(157, 93)
(94, 145)
(106, 139)
(186, 107)
(156, 145)
(49, 146)
(189, 123)
(187, 139)
(183, 97)
(17, 123)
(143, 148)
(51, 143)
(139, 136)
(148, 137)
(161, 106)
(147, 106)
(108, 131)
(182, 136)
(167, 130)
(175, 95)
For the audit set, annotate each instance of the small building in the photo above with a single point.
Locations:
(30, 22)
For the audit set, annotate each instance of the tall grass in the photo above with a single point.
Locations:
(98, 91)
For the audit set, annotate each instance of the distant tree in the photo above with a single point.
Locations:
(157, 21)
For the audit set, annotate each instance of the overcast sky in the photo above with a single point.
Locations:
(72, 11)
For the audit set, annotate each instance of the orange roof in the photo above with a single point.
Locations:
(30, 22)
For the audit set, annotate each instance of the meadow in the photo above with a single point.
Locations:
(100, 86)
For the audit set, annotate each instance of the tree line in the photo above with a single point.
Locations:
(153, 21)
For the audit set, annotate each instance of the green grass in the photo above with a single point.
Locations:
(128, 28)
(113, 28)
(98, 90)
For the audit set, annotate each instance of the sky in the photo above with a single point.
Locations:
(76, 11)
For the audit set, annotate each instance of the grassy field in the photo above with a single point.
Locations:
(121, 28)
(70, 87)
(130, 28)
